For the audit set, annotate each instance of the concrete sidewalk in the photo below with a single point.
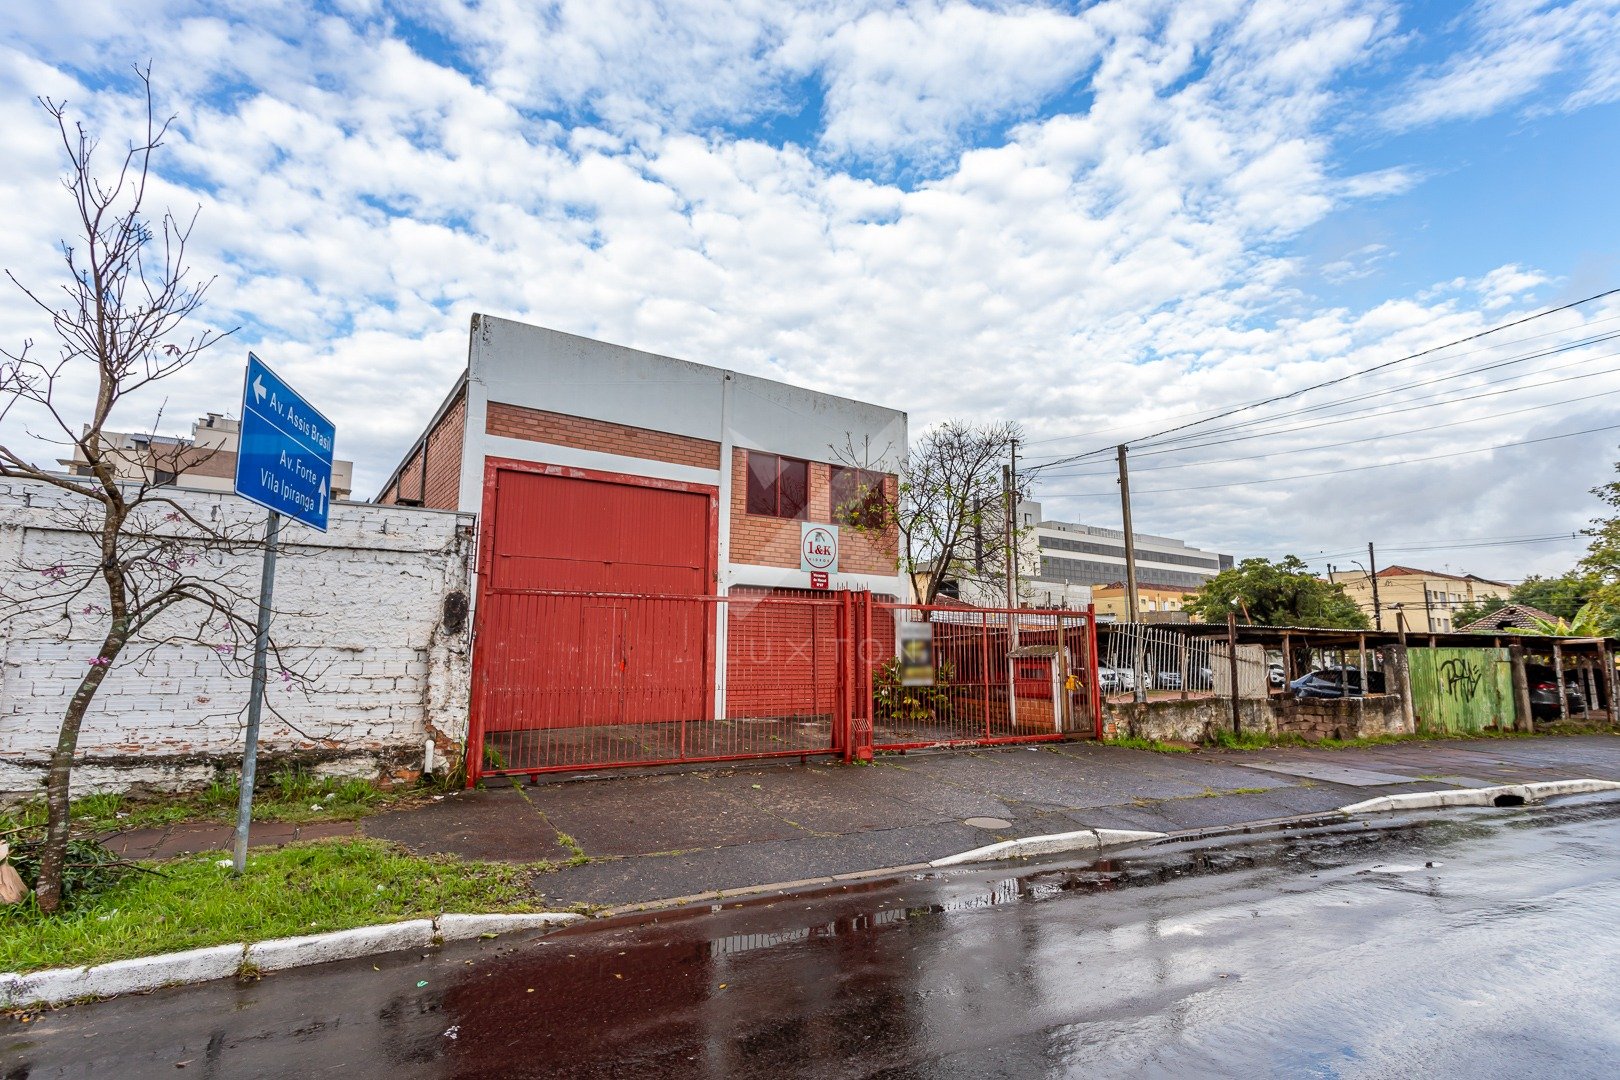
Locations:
(678, 834)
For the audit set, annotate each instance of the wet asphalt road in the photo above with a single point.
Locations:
(1343, 953)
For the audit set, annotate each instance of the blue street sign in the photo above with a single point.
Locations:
(284, 462)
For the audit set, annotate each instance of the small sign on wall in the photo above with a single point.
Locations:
(818, 548)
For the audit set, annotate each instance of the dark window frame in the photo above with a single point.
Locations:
(772, 506)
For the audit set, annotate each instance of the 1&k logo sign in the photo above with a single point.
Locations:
(818, 548)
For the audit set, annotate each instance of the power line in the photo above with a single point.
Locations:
(1352, 442)
(1249, 424)
(1340, 472)
(1196, 412)
(1344, 378)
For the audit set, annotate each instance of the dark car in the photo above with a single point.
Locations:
(1544, 692)
(1336, 683)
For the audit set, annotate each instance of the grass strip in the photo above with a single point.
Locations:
(306, 888)
(291, 795)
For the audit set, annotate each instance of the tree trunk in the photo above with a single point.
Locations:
(48, 889)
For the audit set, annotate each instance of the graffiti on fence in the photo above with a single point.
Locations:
(1461, 689)
(1461, 677)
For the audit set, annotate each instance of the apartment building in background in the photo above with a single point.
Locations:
(1156, 603)
(1427, 600)
(206, 461)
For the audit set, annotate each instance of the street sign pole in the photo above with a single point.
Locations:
(261, 646)
(283, 463)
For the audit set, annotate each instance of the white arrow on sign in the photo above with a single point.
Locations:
(258, 388)
(323, 496)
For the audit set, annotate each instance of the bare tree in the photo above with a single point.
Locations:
(150, 569)
(950, 512)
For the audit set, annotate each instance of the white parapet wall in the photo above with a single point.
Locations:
(373, 612)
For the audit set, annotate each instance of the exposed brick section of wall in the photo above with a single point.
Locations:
(773, 541)
(442, 451)
(867, 551)
(536, 425)
(1349, 718)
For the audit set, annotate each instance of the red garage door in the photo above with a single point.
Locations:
(582, 618)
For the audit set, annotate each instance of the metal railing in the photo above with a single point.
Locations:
(574, 680)
(1000, 675)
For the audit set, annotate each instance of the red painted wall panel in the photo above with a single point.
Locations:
(782, 658)
(549, 661)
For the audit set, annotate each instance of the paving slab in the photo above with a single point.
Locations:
(495, 824)
(621, 881)
(1330, 773)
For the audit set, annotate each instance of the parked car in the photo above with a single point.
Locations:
(1274, 674)
(1544, 692)
(1113, 680)
(1200, 678)
(1335, 683)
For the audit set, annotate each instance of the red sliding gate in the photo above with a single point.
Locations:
(567, 680)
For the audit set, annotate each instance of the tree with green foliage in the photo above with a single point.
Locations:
(1561, 596)
(1588, 622)
(1470, 613)
(1282, 593)
(1602, 562)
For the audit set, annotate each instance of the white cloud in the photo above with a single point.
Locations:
(1118, 258)
(1517, 47)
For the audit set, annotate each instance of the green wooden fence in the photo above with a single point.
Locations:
(1461, 689)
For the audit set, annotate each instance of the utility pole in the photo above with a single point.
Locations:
(1130, 538)
(1372, 576)
(1010, 475)
(1009, 485)
(1139, 660)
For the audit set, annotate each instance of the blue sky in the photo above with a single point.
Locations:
(1088, 218)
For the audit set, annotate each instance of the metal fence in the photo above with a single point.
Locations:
(584, 680)
(1160, 658)
(1000, 675)
(567, 680)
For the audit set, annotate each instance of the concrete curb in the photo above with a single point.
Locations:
(62, 985)
(1051, 844)
(1501, 795)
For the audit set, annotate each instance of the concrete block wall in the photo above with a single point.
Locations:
(1342, 718)
(1199, 719)
(374, 612)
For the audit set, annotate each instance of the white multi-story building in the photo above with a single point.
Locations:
(1064, 555)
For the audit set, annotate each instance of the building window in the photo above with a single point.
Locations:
(857, 497)
(778, 486)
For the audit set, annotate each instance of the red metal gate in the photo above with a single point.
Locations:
(596, 644)
(1000, 676)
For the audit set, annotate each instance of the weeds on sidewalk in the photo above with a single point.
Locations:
(1131, 742)
(309, 888)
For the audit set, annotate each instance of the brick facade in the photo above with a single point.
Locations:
(441, 452)
(760, 540)
(558, 429)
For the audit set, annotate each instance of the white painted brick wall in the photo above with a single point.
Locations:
(363, 603)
